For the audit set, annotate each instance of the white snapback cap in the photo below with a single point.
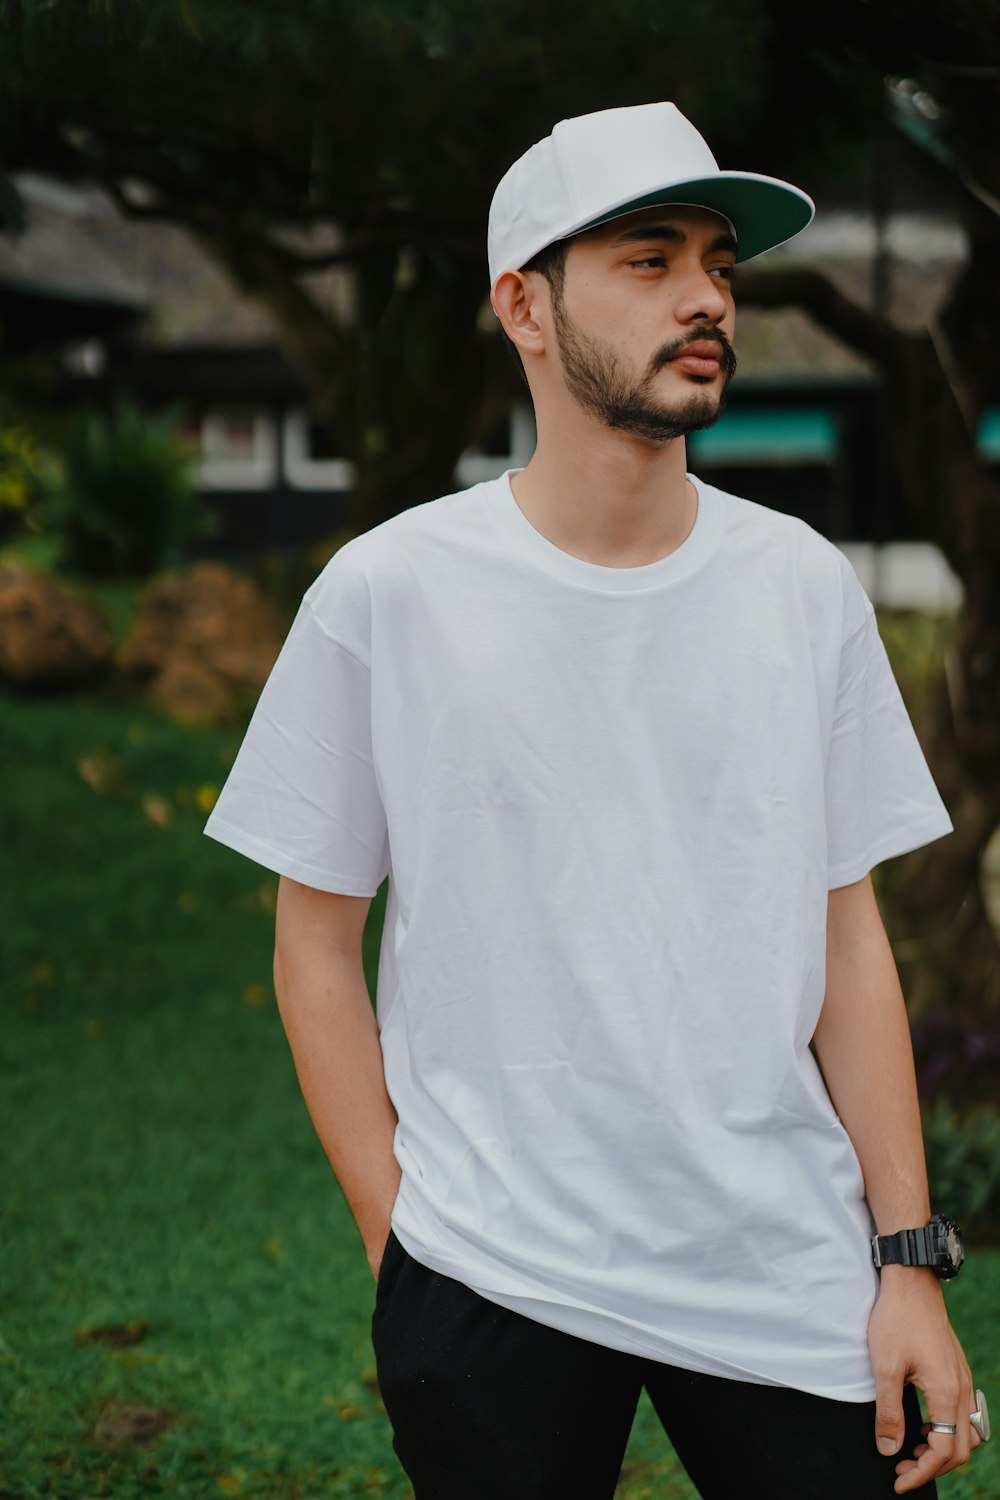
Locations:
(596, 167)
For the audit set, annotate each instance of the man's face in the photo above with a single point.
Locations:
(644, 320)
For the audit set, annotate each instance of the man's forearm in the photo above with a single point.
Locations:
(864, 1050)
(863, 1045)
(327, 1015)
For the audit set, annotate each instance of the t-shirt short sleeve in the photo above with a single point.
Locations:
(302, 797)
(880, 797)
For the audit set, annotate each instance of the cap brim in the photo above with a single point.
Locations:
(763, 211)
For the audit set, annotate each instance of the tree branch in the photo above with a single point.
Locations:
(315, 344)
(392, 232)
(863, 330)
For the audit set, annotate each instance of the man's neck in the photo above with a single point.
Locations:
(609, 498)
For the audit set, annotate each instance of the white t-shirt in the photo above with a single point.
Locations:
(611, 802)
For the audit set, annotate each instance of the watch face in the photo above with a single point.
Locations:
(951, 1242)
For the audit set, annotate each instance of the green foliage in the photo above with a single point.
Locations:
(125, 503)
(160, 1167)
(963, 1163)
(172, 1237)
(27, 468)
(391, 121)
(401, 113)
(955, 1030)
(917, 643)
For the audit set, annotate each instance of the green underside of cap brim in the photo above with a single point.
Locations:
(763, 214)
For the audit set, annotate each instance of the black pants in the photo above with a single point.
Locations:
(486, 1404)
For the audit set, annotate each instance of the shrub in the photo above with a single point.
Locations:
(126, 504)
(27, 468)
(963, 1163)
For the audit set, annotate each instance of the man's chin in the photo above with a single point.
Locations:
(704, 413)
(665, 423)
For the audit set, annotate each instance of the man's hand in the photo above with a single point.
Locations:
(912, 1342)
(863, 1045)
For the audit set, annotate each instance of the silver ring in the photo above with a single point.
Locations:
(948, 1427)
(980, 1418)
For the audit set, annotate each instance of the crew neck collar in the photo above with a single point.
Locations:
(695, 550)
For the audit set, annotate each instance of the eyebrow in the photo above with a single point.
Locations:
(673, 236)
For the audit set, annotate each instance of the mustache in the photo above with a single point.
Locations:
(727, 353)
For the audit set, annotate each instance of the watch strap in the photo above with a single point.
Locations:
(911, 1247)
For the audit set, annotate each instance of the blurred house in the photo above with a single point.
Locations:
(140, 307)
(59, 289)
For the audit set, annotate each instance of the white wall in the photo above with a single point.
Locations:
(905, 575)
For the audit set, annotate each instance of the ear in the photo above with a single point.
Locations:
(521, 301)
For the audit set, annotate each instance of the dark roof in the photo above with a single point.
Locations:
(40, 317)
(208, 372)
(56, 285)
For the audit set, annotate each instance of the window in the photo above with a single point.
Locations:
(237, 448)
(509, 447)
(310, 463)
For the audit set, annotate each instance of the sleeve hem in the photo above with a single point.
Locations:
(899, 841)
(283, 864)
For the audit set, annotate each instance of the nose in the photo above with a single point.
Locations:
(703, 298)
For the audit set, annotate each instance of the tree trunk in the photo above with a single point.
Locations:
(401, 384)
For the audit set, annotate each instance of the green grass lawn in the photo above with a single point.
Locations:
(184, 1302)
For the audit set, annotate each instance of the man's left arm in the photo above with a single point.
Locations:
(864, 1049)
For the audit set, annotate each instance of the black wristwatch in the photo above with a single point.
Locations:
(939, 1247)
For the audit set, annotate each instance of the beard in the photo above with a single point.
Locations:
(598, 380)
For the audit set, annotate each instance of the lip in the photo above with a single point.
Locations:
(702, 349)
(696, 363)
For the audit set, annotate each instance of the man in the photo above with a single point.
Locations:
(628, 749)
